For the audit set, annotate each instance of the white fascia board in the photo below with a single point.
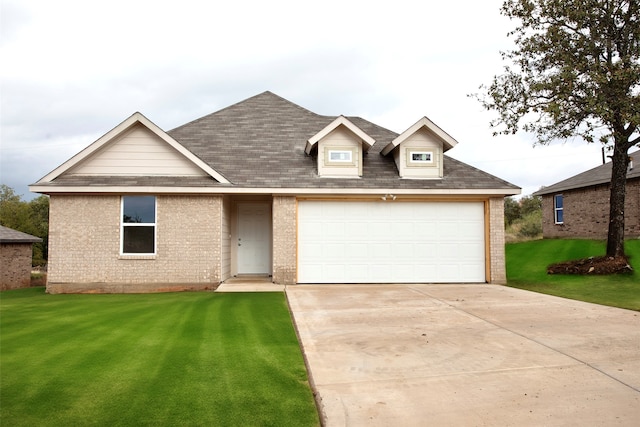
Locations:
(448, 142)
(341, 120)
(117, 131)
(47, 189)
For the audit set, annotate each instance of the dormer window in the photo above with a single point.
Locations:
(418, 151)
(339, 147)
(421, 157)
(340, 156)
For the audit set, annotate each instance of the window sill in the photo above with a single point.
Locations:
(140, 257)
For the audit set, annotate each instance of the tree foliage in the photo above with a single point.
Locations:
(524, 215)
(574, 72)
(529, 204)
(511, 211)
(29, 217)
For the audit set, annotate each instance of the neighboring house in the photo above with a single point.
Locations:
(15, 258)
(266, 187)
(578, 207)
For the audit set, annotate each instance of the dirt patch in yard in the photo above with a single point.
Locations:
(591, 266)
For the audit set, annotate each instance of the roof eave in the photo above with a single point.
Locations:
(47, 189)
(556, 188)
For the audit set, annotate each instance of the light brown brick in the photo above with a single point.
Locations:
(85, 255)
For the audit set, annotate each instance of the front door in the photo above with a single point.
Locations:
(254, 238)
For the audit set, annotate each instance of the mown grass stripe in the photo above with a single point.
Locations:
(160, 359)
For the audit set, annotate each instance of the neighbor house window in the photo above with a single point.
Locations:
(421, 157)
(558, 208)
(340, 156)
(138, 229)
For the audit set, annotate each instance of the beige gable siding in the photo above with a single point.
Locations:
(422, 140)
(139, 152)
(343, 140)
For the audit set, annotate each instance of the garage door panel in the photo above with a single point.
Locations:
(425, 251)
(468, 252)
(334, 251)
(380, 250)
(357, 250)
(368, 242)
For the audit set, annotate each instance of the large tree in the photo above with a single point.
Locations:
(574, 72)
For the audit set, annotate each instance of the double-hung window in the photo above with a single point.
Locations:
(138, 225)
(558, 209)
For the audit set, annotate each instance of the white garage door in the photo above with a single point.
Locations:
(390, 242)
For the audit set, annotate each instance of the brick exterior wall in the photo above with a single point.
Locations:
(285, 233)
(496, 241)
(84, 246)
(84, 242)
(15, 265)
(586, 213)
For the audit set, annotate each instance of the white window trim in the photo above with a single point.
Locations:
(412, 152)
(556, 209)
(350, 160)
(133, 224)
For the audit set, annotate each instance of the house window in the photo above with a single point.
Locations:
(558, 208)
(420, 157)
(138, 225)
(343, 156)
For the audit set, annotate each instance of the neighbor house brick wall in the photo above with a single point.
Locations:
(586, 213)
(496, 241)
(15, 265)
(84, 242)
(284, 240)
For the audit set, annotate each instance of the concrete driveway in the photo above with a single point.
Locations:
(466, 355)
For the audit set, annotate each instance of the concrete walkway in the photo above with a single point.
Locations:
(466, 355)
(249, 284)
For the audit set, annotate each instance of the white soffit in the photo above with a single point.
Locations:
(123, 127)
(367, 141)
(447, 141)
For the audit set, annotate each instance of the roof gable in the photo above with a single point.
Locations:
(367, 141)
(447, 141)
(135, 147)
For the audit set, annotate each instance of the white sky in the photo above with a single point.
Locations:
(72, 70)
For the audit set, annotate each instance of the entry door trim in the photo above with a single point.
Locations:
(254, 241)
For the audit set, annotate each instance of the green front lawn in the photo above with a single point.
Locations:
(527, 269)
(156, 359)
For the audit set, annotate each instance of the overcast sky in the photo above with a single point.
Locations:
(72, 70)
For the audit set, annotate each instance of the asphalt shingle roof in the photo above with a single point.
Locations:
(9, 235)
(596, 176)
(259, 143)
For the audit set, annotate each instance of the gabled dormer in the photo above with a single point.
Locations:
(339, 147)
(418, 151)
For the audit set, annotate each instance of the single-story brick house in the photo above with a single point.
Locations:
(266, 187)
(578, 207)
(16, 254)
